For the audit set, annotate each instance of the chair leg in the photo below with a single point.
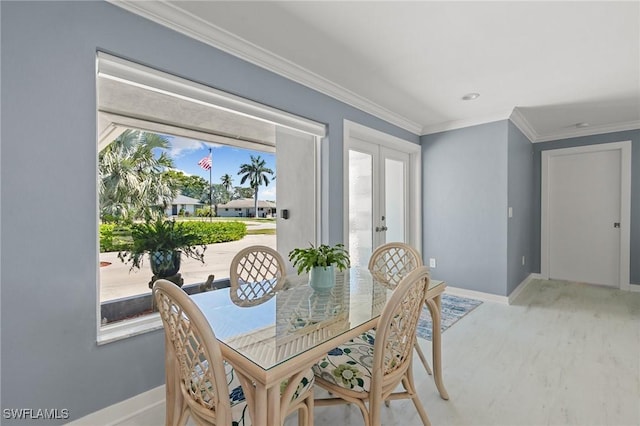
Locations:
(387, 403)
(303, 415)
(305, 412)
(366, 414)
(423, 358)
(408, 384)
(421, 410)
(184, 416)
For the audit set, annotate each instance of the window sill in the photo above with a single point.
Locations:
(119, 330)
(125, 329)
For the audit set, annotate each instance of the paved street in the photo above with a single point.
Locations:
(117, 281)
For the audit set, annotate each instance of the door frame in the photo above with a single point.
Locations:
(625, 203)
(351, 131)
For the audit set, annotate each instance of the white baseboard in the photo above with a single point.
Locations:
(478, 295)
(123, 411)
(634, 287)
(516, 292)
(488, 297)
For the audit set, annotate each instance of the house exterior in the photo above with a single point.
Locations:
(49, 85)
(183, 205)
(245, 207)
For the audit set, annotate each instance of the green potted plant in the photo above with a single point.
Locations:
(165, 241)
(320, 262)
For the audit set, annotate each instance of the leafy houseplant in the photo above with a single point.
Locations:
(164, 241)
(320, 262)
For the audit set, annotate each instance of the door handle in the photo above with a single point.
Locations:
(616, 224)
(381, 228)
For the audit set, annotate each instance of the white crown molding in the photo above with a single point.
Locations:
(589, 131)
(459, 124)
(193, 26)
(525, 127)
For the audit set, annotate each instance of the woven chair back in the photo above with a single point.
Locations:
(391, 262)
(203, 380)
(396, 331)
(256, 275)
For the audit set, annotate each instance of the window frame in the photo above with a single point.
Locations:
(131, 73)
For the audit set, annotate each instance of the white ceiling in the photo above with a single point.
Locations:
(547, 65)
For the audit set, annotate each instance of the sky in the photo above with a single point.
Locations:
(225, 160)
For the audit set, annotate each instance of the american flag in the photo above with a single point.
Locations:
(205, 163)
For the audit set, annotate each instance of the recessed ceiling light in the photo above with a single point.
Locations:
(582, 125)
(470, 96)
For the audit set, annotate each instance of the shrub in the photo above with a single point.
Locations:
(118, 238)
(217, 232)
(204, 212)
(114, 237)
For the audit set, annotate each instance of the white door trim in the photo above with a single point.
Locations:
(625, 203)
(352, 131)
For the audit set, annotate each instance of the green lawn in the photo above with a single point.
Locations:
(261, 232)
(222, 219)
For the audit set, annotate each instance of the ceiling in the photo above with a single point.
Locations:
(546, 65)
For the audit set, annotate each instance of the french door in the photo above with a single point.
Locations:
(380, 198)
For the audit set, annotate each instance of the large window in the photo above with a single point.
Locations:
(143, 173)
(176, 151)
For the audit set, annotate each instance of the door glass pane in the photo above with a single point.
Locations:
(394, 200)
(360, 207)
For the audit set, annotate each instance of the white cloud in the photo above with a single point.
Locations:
(268, 193)
(182, 171)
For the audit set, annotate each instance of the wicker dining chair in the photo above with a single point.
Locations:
(200, 383)
(366, 370)
(255, 274)
(389, 264)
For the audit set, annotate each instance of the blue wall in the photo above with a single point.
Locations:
(470, 178)
(634, 137)
(49, 166)
(465, 206)
(520, 199)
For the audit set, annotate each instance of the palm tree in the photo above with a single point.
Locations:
(258, 174)
(227, 181)
(133, 181)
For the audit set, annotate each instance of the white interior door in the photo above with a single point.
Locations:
(378, 200)
(585, 217)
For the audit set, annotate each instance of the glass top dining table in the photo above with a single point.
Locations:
(273, 342)
(295, 319)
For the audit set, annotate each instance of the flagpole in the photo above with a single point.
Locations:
(210, 189)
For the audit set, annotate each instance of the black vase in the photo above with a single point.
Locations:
(165, 263)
